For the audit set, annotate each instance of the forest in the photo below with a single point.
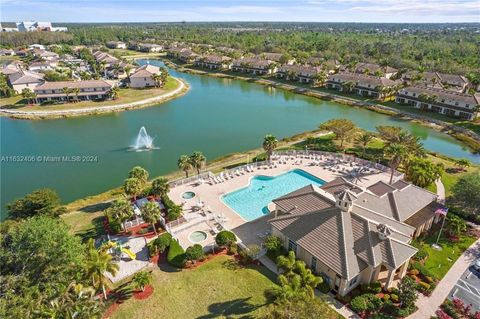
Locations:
(450, 48)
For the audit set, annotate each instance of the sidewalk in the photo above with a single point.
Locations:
(328, 298)
(428, 305)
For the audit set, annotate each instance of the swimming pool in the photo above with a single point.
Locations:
(251, 202)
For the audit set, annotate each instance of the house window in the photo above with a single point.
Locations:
(414, 94)
(292, 246)
(314, 264)
(353, 282)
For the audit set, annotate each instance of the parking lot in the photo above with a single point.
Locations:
(467, 289)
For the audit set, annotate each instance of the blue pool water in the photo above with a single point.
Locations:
(251, 202)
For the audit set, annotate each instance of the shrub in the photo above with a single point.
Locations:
(359, 304)
(423, 286)
(225, 238)
(159, 244)
(273, 243)
(394, 298)
(194, 252)
(386, 297)
(414, 278)
(423, 270)
(375, 287)
(324, 287)
(249, 254)
(421, 255)
(115, 226)
(429, 279)
(232, 249)
(143, 231)
(414, 272)
(365, 302)
(176, 255)
(405, 312)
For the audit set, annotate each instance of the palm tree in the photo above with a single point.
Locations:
(160, 187)
(163, 75)
(132, 187)
(270, 142)
(363, 140)
(29, 95)
(348, 86)
(113, 93)
(287, 263)
(184, 164)
(142, 279)
(462, 163)
(121, 210)
(320, 78)
(456, 225)
(157, 78)
(66, 91)
(98, 262)
(197, 159)
(397, 154)
(76, 91)
(151, 214)
(127, 69)
(140, 173)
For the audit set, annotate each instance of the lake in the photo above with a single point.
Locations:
(217, 117)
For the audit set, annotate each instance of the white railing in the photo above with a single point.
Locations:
(133, 223)
(338, 156)
(191, 179)
(294, 153)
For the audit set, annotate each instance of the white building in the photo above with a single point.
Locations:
(144, 76)
(28, 26)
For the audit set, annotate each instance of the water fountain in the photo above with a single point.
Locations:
(143, 141)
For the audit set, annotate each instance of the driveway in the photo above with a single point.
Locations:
(467, 289)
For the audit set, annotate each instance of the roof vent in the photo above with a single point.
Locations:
(344, 200)
(384, 231)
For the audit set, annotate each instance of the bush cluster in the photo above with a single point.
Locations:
(366, 302)
(159, 244)
(225, 238)
(176, 255)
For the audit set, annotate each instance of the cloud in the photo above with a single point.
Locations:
(242, 9)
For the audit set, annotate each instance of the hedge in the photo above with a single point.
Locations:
(159, 244)
(176, 255)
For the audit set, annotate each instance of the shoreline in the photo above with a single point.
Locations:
(96, 110)
(465, 136)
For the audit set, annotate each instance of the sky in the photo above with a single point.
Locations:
(420, 11)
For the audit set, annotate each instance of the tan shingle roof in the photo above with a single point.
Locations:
(73, 85)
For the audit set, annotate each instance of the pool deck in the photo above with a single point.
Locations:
(210, 196)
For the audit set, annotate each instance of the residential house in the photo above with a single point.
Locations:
(441, 101)
(450, 82)
(254, 65)
(214, 62)
(36, 46)
(6, 52)
(352, 235)
(42, 66)
(329, 65)
(23, 79)
(105, 58)
(277, 57)
(46, 55)
(116, 45)
(187, 56)
(300, 73)
(375, 69)
(89, 90)
(362, 84)
(150, 47)
(144, 76)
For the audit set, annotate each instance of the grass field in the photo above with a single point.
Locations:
(440, 261)
(125, 95)
(217, 289)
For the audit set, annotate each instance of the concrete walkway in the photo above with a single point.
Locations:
(440, 190)
(328, 298)
(99, 109)
(428, 305)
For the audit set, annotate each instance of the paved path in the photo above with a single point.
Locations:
(328, 298)
(428, 305)
(98, 109)
(440, 190)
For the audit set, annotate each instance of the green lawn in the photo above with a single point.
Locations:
(216, 289)
(125, 95)
(440, 261)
